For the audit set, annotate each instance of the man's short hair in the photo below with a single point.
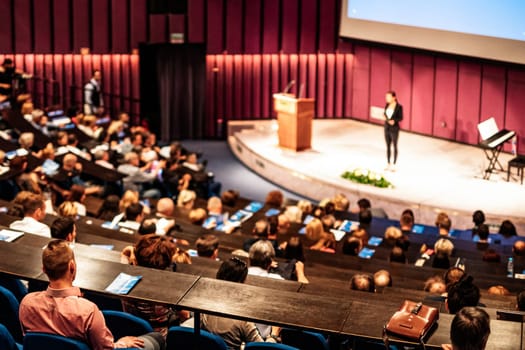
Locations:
(362, 282)
(470, 329)
(147, 226)
(165, 206)
(214, 204)
(520, 298)
(462, 293)
(453, 275)
(261, 254)
(364, 203)
(382, 278)
(207, 245)
(230, 197)
(233, 270)
(406, 220)
(443, 221)
(133, 211)
(55, 259)
(519, 248)
(131, 156)
(397, 254)
(507, 228)
(483, 231)
(261, 227)
(352, 246)
(62, 227)
(32, 203)
(434, 285)
(444, 246)
(341, 202)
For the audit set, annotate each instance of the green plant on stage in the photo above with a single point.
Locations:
(367, 177)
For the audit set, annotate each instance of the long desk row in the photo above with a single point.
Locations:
(353, 315)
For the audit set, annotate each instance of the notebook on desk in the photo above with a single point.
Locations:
(10, 235)
(123, 283)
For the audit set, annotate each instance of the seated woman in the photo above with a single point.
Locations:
(235, 332)
(155, 252)
(324, 241)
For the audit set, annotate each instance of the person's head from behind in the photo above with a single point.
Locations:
(305, 206)
(68, 209)
(230, 197)
(341, 202)
(364, 204)
(470, 329)
(360, 233)
(64, 228)
(129, 197)
(498, 290)
(365, 217)
(392, 234)
(507, 229)
(444, 247)
(352, 246)
(147, 226)
(520, 301)
(261, 254)
(462, 293)
(214, 205)
(478, 218)
(208, 246)
(155, 251)
(483, 232)
(435, 285)
(261, 228)
(398, 255)
(314, 230)
(34, 206)
(518, 248)
(406, 222)
(274, 199)
(382, 278)
(58, 261)
(186, 199)
(233, 270)
(363, 283)
(135, 212)
(453, 275)
(443, 223)
(294, 249)
(78, 193)
(165, 206)
(111, 204)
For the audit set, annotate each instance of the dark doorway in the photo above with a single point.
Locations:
(173, 89)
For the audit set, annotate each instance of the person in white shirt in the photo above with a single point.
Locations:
(34, 212)
(261, 259)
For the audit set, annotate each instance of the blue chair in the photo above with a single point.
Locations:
(9, 314)
(123, 324)
(304, 340)
(184, 338)
(268, 346)
(15, 286)
(6, 340)
(44, 341)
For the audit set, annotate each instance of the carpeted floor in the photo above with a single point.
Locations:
(232, 174)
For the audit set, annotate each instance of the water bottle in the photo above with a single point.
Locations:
(510, 268)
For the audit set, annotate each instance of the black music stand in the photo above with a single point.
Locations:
(513, 316)
(492, 155)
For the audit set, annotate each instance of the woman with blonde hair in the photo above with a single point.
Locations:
(68, 209)
(324, 241)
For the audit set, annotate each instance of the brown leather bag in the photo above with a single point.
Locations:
(413, 321)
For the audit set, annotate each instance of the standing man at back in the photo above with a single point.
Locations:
(61, 309)
(93, 102)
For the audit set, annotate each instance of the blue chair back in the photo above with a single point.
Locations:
(123, 324)
(268, 346)
(15, 286)
(184, 338)
(9, 314)
(7, 342)
(44, 341)
(304, 340)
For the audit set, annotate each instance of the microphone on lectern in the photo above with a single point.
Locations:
(289, 86)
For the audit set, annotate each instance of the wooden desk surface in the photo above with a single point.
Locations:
(269, 306)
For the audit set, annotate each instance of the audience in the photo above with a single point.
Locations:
(61, 309)
(34, 209)
(138, 177)
(363, 283)
(469, 330)
(462, 293)
(208, 246)
(235, 332)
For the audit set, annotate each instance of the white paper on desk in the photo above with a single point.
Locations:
(123, 283)
(10, 235)
(132, 225)
(338, 234)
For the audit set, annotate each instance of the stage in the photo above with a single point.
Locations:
(431, 175)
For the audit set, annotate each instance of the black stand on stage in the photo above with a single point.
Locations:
(492, 155)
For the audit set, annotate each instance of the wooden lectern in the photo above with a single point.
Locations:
(294, 116)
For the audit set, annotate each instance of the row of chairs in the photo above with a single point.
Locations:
(123, 324)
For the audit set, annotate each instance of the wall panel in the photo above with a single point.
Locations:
(423, 94)
(468, 102)
(445, 102)
(23, 26)
(42, 26)
(6, 42)
(401, 83)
